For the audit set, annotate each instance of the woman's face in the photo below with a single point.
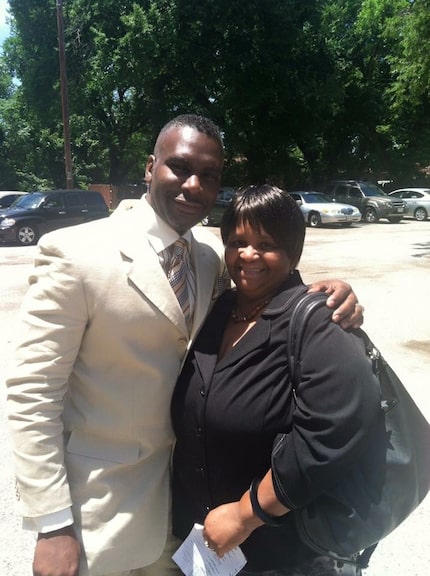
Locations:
(257, 265)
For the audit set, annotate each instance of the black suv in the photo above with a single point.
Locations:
(34, 214)
(372, 202)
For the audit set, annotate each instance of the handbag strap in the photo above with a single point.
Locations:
(302, 311)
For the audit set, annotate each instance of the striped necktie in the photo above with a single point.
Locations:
(177, 276)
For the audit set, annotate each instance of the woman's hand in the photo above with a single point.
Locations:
(226, 527)
(348, 313)
(230, 525)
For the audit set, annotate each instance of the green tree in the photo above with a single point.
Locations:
(8, 178)
(402, 27)
(302, 90)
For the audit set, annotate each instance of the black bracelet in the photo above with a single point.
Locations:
(274, 521)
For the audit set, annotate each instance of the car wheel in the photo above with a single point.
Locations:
(27, 235)
(314, 220)
(420, 214)
(205, 221)
(370, 216)
(394, 220)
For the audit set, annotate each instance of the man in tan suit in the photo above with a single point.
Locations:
(102, 339)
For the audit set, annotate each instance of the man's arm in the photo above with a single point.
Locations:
(348, 313)
(37, 384)
(53, 319)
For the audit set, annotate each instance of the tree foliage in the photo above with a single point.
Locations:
(302, 90)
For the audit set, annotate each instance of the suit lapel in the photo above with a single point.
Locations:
(207, 350)
(206, 266)
(206, 353)
(146, 274)
(251, 342)
(144, 270)
(256, 339)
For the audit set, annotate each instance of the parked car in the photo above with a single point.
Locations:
(36, 213)
(371, 200)
(7, 197)
(318, 209)
(417, 201)
(223, 200)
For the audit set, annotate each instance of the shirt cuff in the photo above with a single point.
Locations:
(49, 522)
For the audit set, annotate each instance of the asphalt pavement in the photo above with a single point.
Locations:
(389, 267)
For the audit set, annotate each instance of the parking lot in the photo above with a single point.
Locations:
(389, 267)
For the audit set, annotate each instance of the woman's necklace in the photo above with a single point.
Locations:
(236, 317)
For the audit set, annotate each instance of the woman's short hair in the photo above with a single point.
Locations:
(272, 209)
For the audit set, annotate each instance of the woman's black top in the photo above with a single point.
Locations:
(227, 414)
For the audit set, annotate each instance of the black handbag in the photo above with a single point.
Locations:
(391, 476)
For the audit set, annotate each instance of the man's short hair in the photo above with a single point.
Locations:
(199, 123)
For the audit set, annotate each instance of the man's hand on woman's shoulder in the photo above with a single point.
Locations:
(347, 311)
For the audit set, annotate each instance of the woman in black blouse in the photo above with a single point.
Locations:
(234, 397)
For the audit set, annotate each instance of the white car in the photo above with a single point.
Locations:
(318, 209)
(9, 196)
(417, 202)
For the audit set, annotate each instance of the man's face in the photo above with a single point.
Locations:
(184, 176)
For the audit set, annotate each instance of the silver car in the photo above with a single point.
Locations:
(417, 201)
(318, 209)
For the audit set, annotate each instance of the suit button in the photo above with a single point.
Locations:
(202, 391)
(182, 345)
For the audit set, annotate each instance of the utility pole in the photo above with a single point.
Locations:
(64, 96)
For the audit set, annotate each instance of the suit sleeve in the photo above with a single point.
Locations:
(337, 406)
(53, 319)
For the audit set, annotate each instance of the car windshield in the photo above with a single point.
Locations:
(316, 198)
(371, 189)
(28, 201)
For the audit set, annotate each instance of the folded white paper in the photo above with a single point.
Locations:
(195, 559)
